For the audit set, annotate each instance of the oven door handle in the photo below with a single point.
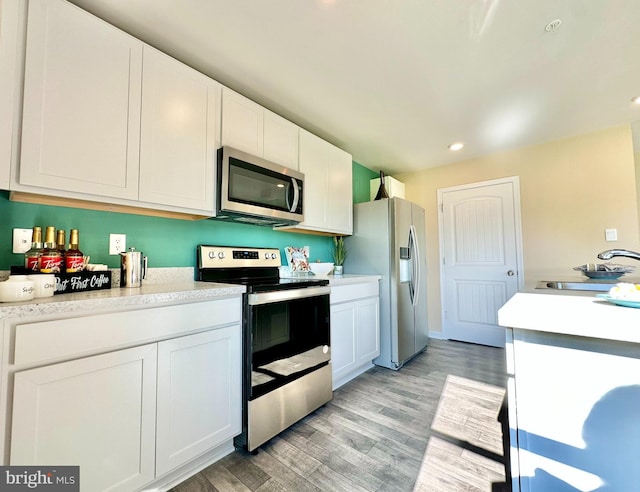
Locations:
(287, 295)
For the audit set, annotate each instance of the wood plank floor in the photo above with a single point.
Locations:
(432, 426)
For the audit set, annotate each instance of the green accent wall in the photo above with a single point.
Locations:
(361, 177)
(166, 242)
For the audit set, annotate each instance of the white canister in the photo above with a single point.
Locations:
(45, 284)
(17, 288)
(18, 278)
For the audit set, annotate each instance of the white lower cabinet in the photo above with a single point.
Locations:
(355, 330)
(98, 412)
(160, 399)
(199, 390)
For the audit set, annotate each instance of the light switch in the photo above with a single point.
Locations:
(611, 234)
(21, 240)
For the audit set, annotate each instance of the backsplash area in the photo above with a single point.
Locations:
(166, 242)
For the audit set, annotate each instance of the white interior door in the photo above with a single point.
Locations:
(480, 247)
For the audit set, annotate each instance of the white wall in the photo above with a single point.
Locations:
(571, 191)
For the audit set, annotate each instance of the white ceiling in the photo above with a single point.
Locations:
(394, 82)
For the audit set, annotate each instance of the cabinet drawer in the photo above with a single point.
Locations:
(68, 337)
(342, 293)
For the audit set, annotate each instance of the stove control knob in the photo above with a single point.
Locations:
(266, 256)
(273, 256)
(212, 255)
(221, 255)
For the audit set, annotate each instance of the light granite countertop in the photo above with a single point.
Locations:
(591, 316)
(347, 279)
(161, 285)
(116, 297)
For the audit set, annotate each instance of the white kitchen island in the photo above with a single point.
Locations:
(574, 393)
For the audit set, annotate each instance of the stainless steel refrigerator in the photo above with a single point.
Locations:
(389, 239)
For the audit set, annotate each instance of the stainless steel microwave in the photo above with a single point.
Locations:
(256, 191)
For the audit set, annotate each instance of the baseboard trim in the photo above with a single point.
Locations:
(179, 475)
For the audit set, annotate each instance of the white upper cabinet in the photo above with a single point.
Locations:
(328, 193)
(107, 118)
(180, 134)
(339, 191)
(242, 123)
(314, 165)
(8, 53)
(81, 116)
(249, 127)
(280, 140)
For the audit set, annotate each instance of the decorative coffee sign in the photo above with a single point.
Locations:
(82, 281)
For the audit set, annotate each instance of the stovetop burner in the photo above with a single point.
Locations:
(256, 268)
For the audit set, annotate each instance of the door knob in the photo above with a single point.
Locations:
(511, 273)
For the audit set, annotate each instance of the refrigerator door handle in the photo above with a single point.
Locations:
(414, 285)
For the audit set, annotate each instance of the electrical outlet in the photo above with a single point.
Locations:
(117, 243)
(22, 240)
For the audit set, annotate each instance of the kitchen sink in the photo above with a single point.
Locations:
(576, 285)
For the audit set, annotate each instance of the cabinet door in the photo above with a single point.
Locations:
(340, 191)
(328, 193)
(343, 339)
(97, 412)
(199, 395)
(368, 330)
(8, 53)
(280, 140)
(81, 118)
(242, 123)
(179, 135)
(313, 163)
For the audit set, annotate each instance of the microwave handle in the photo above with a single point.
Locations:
(296, 195)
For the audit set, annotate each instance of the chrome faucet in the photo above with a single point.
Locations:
(610, 253)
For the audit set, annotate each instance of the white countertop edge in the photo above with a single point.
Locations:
(351, 278)
(571, 315)
(119, 297)
(149, 293)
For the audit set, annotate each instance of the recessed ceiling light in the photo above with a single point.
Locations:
(456, 146)
(636, 100)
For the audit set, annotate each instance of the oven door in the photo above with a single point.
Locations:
(287, 337)
(253, 187)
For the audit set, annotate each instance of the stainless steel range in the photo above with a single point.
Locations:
(286, 346)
